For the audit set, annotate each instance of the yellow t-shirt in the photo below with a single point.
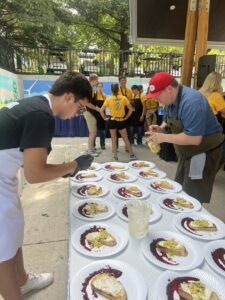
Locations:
(216, 102)
(127, 92)
(116, 105)
(151, 104)
(100, 96)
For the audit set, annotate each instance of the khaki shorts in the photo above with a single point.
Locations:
(91, 122)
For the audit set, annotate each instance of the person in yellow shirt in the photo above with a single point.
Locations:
(151, 106)
(117, 120)
(213, 91)
(99, 100)
(123, 89)
(137, 117)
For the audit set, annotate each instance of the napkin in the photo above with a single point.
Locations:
(197, 165)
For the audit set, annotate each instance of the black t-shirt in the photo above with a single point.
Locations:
(28, 124)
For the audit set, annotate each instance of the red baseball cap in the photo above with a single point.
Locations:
(158, 83)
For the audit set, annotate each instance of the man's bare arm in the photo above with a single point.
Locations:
(37, 170)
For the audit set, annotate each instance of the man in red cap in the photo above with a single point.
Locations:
(196, 134)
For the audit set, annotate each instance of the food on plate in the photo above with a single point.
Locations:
(189, 288)
(92, 168)
(140, 164)
(92, 209)
(172, 247)
(202, 225)
(94, 190)
(182, 202)
(108, 286)
(163, 184)
(155, 148)
(85, 175)
(100, 238)
(114, 167)
(178, 203)
(130, 191)
(119, 176)
(196, 290)
(218, 256)
(149, 173)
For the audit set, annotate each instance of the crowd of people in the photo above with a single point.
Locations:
(191, 123)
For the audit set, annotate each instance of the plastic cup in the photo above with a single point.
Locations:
(138, 218)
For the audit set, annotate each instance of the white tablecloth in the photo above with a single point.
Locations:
(132, 254)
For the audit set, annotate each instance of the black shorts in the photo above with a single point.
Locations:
(119, 125)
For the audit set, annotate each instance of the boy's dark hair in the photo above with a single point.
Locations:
(135, 87)
(115, 88)
(72, 82)
(140, 87)
(174, 83)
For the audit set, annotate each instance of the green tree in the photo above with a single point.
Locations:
(107, 21)
(34, 22)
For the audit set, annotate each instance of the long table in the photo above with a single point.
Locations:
(132, 254)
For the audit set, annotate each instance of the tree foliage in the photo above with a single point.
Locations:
(104, 22)
(34, 22)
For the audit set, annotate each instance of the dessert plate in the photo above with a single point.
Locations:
(90, 190)
(191, 260)
(93, 210)
(121, 210)
(139, 164)
(165, 289)
(182, 223)
(214, 253)
(179, 203)
(165, 186)
(151, 173)
(115, 166)
(121, 176)
(131, 192)
(131, 279)
(81, 244)
(86, 176)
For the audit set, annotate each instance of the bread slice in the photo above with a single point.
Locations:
(101, 238)
(107, 286)
(181, 202)
(172, 247)
(189, 291)
(88, 175)
(93, 209)
(202, 225)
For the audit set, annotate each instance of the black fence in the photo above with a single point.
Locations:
(56, 60)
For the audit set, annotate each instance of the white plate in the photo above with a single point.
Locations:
(167, 201)
(145, 192)
(159, 174)
(132, 177)
(175, 189)
(155, 216)
(202, 235)
(209, 280)
(78, 177)
(131, 279)
(95, 167)
(209, 249)
(120, 235)
(181, 263)
(98, 217)
(148, 164)
(78, 190)
(115, 166)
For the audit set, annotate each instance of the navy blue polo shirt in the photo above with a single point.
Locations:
(194, 113)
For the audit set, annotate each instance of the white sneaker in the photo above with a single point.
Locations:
(36, 282)
(95, 154)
